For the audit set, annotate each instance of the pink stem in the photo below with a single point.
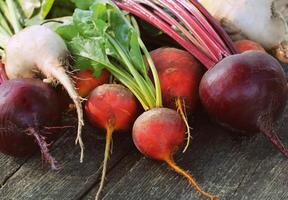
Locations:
(3, 75)
(43, 148)
(173, 22)
(205, 24)
(138, 10)
(217, 27)
(192, 25)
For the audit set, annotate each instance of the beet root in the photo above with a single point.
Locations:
(246, 92)
(158, 134)
(112, 107)
(85, 81)
(246, 45)
(180, 75)
(29, 113)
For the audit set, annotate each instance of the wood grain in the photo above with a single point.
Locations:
(8, 166)
(35, 180)
(230, 166)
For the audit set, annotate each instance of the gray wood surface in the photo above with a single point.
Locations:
(34, 180)
(8, 166)
(231, 167)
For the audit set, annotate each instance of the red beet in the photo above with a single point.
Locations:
(246, 92)
(112, 107)
(85, 81)
(246, 45)
(180, 74)
(158, 134)
(29, 112)
(3, 75)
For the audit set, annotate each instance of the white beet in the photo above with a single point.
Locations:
(257, 20)
(36, 50)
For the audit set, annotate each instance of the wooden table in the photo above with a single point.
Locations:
(233, 167)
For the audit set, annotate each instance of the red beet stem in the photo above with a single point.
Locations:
(199, 33)
(43, 148)
(3, 75)
(173, 22)
(201, 19)
(217, 27)
(143, 13)
(213, 50)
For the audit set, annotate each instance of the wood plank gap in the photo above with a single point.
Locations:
(14, 172)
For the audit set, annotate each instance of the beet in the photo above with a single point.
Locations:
(114, 108)
(85, 81)
(180, 74)
(246, 92)
(28, 112)
(246, 45)
(158, 133)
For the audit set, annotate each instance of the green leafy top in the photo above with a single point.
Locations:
(17, 14)
(83, 4)
(103, 36)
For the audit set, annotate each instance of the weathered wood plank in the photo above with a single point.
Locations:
(269, 178)
(230, 166)
(8, 166)
(115, 174)
(36, 181)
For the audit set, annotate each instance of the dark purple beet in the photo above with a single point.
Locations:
(246, 92)
(28, 112)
